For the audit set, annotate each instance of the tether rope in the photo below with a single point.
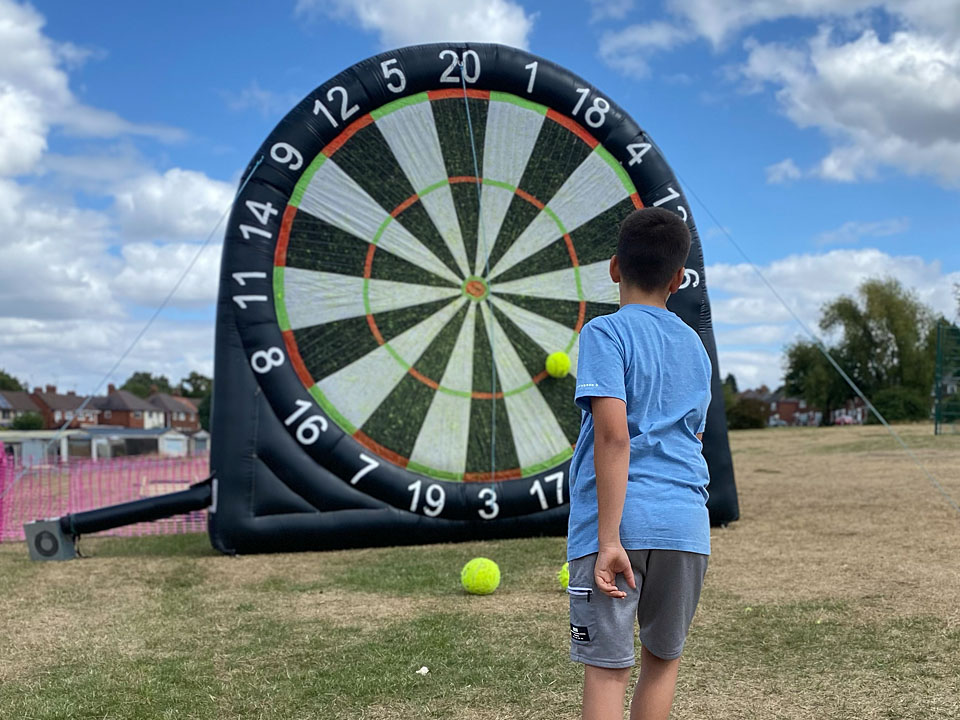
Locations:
(823, 349)
(486, 253)
(143, 330)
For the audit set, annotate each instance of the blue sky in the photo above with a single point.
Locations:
(825, 137)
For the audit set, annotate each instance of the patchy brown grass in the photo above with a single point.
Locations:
(835, 596)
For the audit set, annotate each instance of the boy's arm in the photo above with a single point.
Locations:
(611, 458)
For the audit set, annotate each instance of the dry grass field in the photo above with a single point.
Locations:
(837, 595)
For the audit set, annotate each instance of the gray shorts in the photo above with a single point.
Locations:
(668, 589)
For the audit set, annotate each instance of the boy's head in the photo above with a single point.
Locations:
(652, 248)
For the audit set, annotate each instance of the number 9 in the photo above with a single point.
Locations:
(285, 153)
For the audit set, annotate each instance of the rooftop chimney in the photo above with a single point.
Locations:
(71, 393)
(52, 389)
(37, 390)
(111, 388)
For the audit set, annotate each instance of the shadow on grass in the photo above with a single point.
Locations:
(189, 545)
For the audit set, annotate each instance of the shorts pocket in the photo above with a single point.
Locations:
(582, 620)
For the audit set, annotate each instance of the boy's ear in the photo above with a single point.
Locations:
(614, 269)
(677, 280)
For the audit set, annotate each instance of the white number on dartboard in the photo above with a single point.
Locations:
(370, 464)
(393, 73)
(537, 489)
(241, 277)
(469, 77)
(242, 300)
(345, 112)
(672, 195)
(532, 67)
(596, 114)
(262, 211)
(308, 432)
(433, 498)
(263, 361)
(637, 151)
(490, 508)
(285, 153)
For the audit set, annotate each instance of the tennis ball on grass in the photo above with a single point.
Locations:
(558, 364)
(564, 575)
(480, 576)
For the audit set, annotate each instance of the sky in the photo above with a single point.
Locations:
(823, 136)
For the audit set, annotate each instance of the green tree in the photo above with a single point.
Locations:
(203, 410)
(731, 381)
(886, 340)
(9, 382)
(196, 385)
(747, 413)
(142, 384)
(810, 376)
(28, 421)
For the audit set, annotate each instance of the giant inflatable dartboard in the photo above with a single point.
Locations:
(415, 237)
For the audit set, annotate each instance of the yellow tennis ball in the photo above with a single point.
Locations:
(480, 576)
(564, 575)
(558, 364)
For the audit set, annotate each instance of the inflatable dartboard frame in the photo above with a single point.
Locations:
(289, 473)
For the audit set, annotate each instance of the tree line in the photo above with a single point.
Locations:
(882, 337)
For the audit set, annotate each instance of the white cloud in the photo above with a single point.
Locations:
(628, 50)
(893, 103)
(23, 131)
(408, 22)
(68, 295)
(179, 203)
(783, 171)
(150, 271)
(267, 102)
(718, 20)
(35, 94)
(852, 231)
(74, 354)
(609, 9)
(752, 326)
(53, 261)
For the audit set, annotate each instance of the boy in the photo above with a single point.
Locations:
(638, 479)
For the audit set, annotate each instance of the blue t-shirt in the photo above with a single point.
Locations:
(653, 361)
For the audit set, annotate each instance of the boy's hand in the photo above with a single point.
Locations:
(612, 561)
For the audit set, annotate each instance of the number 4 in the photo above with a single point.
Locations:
(262, 211)
(637, 151)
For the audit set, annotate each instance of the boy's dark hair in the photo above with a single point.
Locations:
(654, 243)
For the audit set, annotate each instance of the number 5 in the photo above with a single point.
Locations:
(390, 73)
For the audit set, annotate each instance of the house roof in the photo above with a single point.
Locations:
(121, 400)
(17, 400)
(56, 401)
(170, 403)
(130, 432)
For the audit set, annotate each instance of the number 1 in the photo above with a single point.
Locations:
(532, 67)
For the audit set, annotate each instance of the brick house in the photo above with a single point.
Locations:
(14, 404)
(57, 408)
(792, 411)
(179, 413)
(124, 409)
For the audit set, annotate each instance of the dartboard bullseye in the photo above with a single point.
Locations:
(418, 235)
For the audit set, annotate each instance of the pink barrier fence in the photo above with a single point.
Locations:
(52, 490)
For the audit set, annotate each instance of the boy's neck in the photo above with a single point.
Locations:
(632, 295)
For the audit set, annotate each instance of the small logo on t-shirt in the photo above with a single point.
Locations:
(580, 633)
(586, 385)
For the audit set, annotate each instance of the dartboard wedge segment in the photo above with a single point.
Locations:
(414, 239)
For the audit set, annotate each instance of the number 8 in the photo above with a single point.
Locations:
(599, 108)
(263, 361)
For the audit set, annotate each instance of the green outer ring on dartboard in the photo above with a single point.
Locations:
(317, 162)
(307, 176)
